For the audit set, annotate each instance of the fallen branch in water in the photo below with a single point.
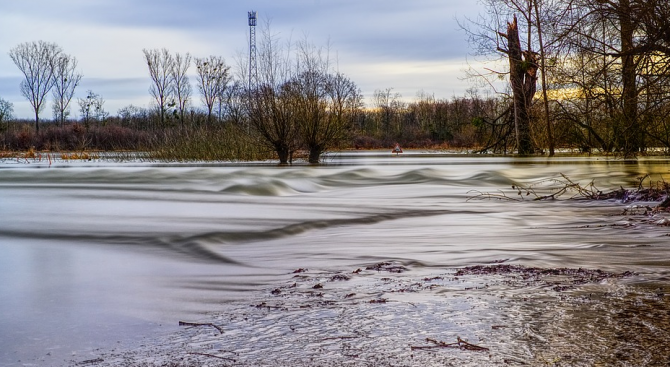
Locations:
(553, 188)
(184, 323)
(500, 195)
(460, 344)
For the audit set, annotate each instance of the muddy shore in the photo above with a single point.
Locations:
(382, 315)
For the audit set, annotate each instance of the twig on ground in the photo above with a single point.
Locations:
(184, 323)
(341, 337)
(211, 355)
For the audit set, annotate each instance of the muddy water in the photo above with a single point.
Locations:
(101, 254)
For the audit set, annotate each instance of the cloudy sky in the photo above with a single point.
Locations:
(405, 45)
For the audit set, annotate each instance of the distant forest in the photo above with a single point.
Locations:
(589, 76)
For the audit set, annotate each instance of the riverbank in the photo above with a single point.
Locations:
(383, 315)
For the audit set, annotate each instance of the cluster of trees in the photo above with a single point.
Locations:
(603, 68)
(298, 100)
(46, 67)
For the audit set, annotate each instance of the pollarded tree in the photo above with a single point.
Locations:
(66, 81)
(322, 102)
(36, 60)
(268, 105)
(160, 64)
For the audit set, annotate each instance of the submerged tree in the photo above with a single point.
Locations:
(37, 61)
(517, 30)
(269, 113)
(321, 100)
(523, 79)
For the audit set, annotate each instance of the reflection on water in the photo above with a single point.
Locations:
(92, 254)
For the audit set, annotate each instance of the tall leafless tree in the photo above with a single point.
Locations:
(213, 79)
(67, 80)
(181, 83)
(36, 60)
(161, 65)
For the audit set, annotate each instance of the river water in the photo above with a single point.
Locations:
(101, 255)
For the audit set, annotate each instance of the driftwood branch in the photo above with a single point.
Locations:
(460, 344)
(500, 195)
(184, 323)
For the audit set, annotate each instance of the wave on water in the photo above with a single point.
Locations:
(208, 246)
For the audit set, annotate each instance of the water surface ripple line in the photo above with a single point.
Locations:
(207, 246)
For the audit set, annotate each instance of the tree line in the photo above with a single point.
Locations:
(587, 75)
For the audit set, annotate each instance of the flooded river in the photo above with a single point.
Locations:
(100, 256)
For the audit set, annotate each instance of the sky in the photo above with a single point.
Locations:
(409, 46)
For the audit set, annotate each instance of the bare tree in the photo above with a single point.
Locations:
(92, 108)
(6, 114)
(232, 103)
(628, 41)
(181, 83)
(321, 100)
(389, 105)
(160, 64)
(67, 80)
(213, 78)
(36, 61)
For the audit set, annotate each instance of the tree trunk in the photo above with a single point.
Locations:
(523, 77)
(37, 121)
(550, 135)
(283, 152)
(631, 135)
(315, 154)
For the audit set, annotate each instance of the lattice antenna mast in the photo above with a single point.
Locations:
(253, 69)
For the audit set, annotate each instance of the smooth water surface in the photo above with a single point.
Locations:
(101, 254)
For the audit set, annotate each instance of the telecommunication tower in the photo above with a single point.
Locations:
(253, 70)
